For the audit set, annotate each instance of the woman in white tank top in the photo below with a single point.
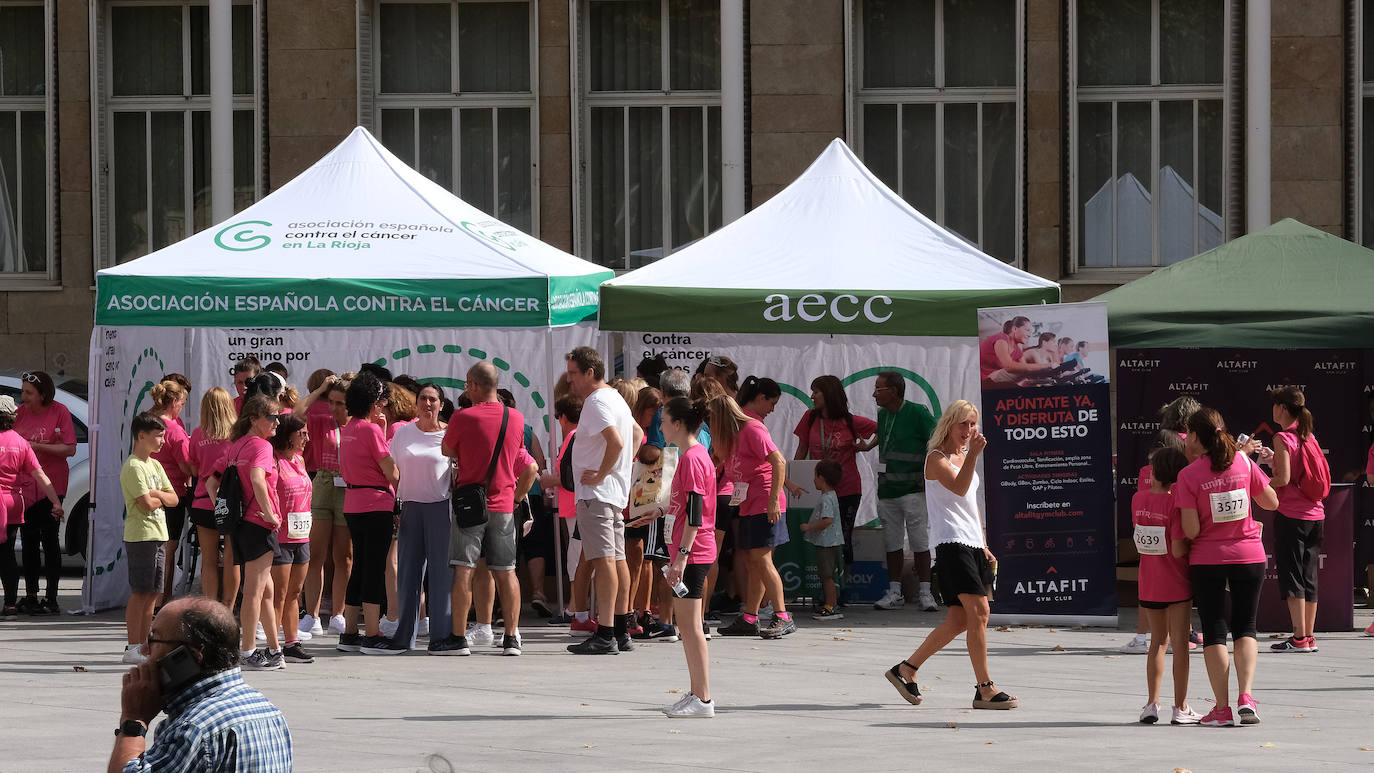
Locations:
(963, 563)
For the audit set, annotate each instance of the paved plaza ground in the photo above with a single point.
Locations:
(815, 701)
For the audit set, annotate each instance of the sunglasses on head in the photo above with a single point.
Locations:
(719, 362)
(32, 378)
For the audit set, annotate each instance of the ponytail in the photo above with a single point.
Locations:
(691, 414)
(1295, 403)
(1218, 445)
(1012, 323)
(753, 387)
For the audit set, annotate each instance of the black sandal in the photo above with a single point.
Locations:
(999, 701)
(909, 691)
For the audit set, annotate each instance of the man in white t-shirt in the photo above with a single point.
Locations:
(602, 457)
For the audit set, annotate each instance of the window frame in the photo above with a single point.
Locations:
(105, 105)
(49, 279)
(1152, 94)
(373, 100)
(940, 95)
(1357, 91)
(665, 99)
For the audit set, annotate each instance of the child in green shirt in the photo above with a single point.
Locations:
(147, 490)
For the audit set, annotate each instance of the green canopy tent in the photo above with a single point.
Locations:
(1290, 286)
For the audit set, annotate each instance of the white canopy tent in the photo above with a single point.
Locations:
(836, 274)
(359, 259)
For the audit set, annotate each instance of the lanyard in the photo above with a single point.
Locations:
(825, 441)
(887, 436)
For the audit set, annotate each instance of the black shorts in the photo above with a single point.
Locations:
(539, 542)
(726, 513)
(655, 545)
(694, 577)
(201, 518)
(961, 569)
(636, 534)
(176, 520)
(1160, 604)
(1297, 546)
(251, 541)
(755, 531)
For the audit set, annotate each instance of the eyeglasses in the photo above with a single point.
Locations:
(32, 378)
(153, 640)
(880, 388)
(275, 417)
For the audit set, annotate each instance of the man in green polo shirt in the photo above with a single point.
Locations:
(904, 428)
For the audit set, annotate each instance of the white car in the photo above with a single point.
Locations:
(77, 504)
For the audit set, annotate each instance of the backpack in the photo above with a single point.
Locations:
(229, 505)
(1309, 469)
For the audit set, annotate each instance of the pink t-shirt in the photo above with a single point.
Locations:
(205, 454)
(362, 447)
(987, 354)
(16, 461)
(1369, 464)
(54, 425)
(567, 501)
(315, 417)
(324, 441)
(695, 475)
(749, 465)
(1145, 479)
(831, 439)
(471, 438)
(1292, 502)
(247, 453)
(293, 491)
(1227, 495)
(176, 449)
(1163, 578)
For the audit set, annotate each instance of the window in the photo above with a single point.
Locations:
(157, 104)
(26, 224)
(1364, 112)
(939, 112)
(651, 127)
(1149, 131)
(455, 99)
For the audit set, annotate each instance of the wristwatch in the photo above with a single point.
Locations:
(131, 728)
(684, 551)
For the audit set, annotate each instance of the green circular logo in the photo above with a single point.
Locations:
(243, 236)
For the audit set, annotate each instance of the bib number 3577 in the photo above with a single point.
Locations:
(1230, 506)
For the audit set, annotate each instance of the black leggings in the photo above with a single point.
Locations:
(371, 534)
(849, 510)
(40, 539)
(1210, 582)
(9, 568)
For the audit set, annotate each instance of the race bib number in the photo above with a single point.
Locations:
(1230, 506)
(339, 482)
(741, 491)
(298, 525)
(1150, 540)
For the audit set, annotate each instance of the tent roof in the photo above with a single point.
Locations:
(838, 228)
(1289, 286)
(360, 217)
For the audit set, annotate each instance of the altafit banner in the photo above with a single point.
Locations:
(128, 361)
(1048, 466)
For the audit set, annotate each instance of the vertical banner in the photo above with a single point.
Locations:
(1048, 464)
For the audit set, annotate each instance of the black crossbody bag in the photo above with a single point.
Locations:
(469, 501)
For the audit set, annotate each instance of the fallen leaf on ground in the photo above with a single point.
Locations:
(674, 692)
(79, 668)
(1182, 770)
(674, 732)
(1057, 648)
(840, 638)
(1299, 716)
(588, 746)
(1266, 745)
(1080, 628)
(989, 743)
(1278, 636)
(586, 704)
(1003, 629)
(1367, 748)
(952, 725)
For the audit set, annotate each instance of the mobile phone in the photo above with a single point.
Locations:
(680, 589)
(177, 669)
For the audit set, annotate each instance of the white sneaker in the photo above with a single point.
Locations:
(1136, 646)
(691, 708)
(422, 628)
(300, 635)
(1185, 716)
(479, 634)
(926, 602)
(677, 705)
(891, 600)
(1150, 714)
(311, 625)
(337, 625)
(261, 635)
(133, 655)
(388, 626)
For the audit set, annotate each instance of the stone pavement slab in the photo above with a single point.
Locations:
(812, 701)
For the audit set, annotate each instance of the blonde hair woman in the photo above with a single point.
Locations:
(962, 560)
(219, 577)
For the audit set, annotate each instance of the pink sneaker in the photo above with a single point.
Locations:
(583, 627)
(1247, 707)
(1370, 630)
(1219, 717)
